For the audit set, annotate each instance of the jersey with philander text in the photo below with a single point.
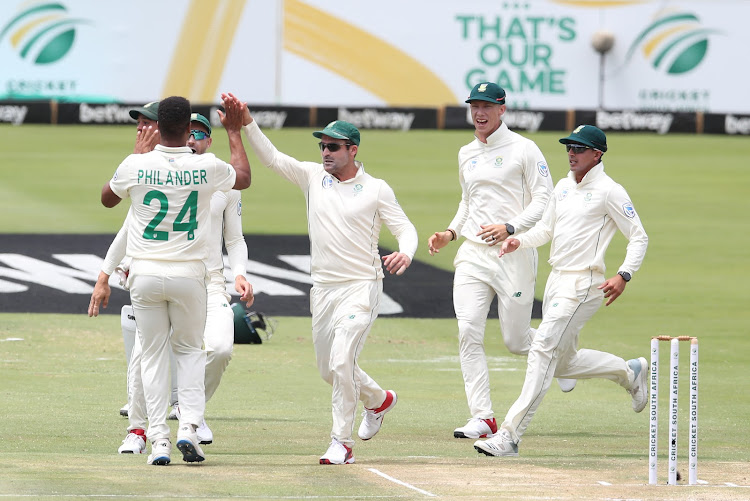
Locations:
(344, 217)
(581, 219)
(170, 191)
(505, 180)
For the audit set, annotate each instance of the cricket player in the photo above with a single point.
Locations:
(226, 221)
(505, 184)
(583, 214)
(168, 239)
(345, 210)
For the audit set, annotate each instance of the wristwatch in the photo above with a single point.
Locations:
(509, 228)
(625, 275)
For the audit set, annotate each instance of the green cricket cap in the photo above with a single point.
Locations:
(487, 91)
(197, 117)
(339, 129)
(587, 135)
(150, 111)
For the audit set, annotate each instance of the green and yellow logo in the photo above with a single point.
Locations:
(41, 32)
(675, 42)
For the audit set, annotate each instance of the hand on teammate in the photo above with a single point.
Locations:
(146, 139)
(509, 245)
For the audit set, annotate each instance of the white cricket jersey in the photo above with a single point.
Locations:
(503, 181)
(581, 219)
(171, 190)
(343, 218)
(226, 222)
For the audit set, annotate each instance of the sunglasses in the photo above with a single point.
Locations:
(199, 134)
(333, 147)
(576, 148)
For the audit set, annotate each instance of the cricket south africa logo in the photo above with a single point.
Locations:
(675, 42)
(41, 32)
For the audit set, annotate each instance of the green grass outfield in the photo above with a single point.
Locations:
(61, 386)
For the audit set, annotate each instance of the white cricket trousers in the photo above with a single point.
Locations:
(342, 316)
(480, 276)
(570, 300)
(218, 339)
(176, 299)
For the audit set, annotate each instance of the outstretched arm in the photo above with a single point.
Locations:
(232, 122)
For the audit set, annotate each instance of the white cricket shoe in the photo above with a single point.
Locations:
(205, 435)
(124, 410)
(640, 385)
(566, 385)
(337, 453)
(161, 451)
(499, 445)
(187, 442)
(477, 428)
(373, 418)
(134, 443)
(174, 414)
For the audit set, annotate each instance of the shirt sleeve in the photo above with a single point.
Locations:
(462, 214)
(234, 240)
(622, 212)
(542, 231)
(117, 249)
(225, 177)
(287, 167)
(396, 221)
(121, 180)
(537, 176)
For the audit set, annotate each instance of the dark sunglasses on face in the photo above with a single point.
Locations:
(576, 148)
(199, 134)
(333, 147)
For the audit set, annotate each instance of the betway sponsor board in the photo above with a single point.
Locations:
(666, 55)
(57, 273)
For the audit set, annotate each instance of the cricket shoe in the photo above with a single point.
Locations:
(124, 410)
(161, 450)
(499, 445)
(187, 442)
(134, 443)
(638, 388)
(205, 435)
(373, 418)
(476, 428)
(566, 385)
(174, 414)
(337, 453)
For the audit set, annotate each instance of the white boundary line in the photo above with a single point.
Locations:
(399, 482)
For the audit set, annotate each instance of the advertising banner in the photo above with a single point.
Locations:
(666, 56)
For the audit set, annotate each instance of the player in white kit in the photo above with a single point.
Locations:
(226, 222)
(345, 210)
(583, 214)
(168, 239)
(505, 184)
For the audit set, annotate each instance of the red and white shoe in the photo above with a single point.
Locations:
(477, 428)
(134, 443)
(337, 453)
(373, 418)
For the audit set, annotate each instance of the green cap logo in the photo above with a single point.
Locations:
(675, 42)
(41, 32)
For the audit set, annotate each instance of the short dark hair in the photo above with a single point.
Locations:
(174, 117)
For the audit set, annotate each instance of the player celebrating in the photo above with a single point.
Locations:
(226, 221)
(505, 184)
(345, 210)
(585, 210)
(168, 236)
